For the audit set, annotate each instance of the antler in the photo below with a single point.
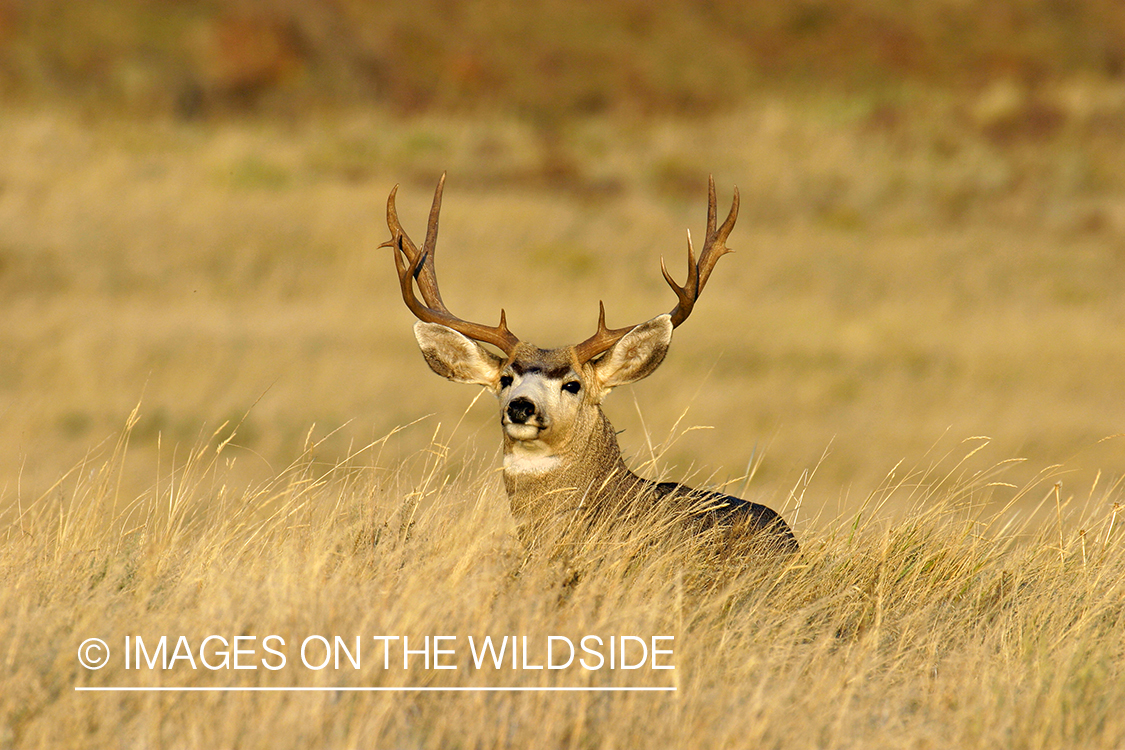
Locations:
(714, 247)
(418, 266)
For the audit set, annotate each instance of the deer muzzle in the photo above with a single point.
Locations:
(522, 419)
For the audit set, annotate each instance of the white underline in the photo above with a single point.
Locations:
(406, 689)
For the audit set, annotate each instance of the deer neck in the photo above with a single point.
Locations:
(543, 481)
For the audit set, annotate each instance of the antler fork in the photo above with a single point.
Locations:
(414, 265)
(714, 247)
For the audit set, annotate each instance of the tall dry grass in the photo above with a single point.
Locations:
(957, 625)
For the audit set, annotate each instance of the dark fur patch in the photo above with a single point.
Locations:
(549, 370)
(718, 509)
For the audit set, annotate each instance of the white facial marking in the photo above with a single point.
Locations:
(521, 431)
(530, 464)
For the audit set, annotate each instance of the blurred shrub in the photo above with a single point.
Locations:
(542, 58)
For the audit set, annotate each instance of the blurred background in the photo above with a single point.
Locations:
(931, 247)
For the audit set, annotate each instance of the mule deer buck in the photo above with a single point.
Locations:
(561, 458)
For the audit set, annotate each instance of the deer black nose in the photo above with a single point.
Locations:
(520, 410)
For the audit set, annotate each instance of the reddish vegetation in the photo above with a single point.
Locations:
(546, 58)
(242, 55)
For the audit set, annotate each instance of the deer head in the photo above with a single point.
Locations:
(549, 398)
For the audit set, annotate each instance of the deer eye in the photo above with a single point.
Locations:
(505, 381)
(572, 386)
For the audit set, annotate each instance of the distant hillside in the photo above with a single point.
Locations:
(543, 58)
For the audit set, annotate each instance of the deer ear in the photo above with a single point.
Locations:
(636, 355)
(457, 357)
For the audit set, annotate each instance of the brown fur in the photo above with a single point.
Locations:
(563, 468)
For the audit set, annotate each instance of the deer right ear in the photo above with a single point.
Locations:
(636, 354)
(457, 357)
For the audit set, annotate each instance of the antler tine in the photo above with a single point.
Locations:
(427, 276)
(714, 247)
(396, 228)
(711, 213)
(413, 266)
(601, 341)
(686, 294)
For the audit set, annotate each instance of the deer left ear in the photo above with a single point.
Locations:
(636, 355)
(454, 356)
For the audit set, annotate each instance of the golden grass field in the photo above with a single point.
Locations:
(950, 628)
(214, 419)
